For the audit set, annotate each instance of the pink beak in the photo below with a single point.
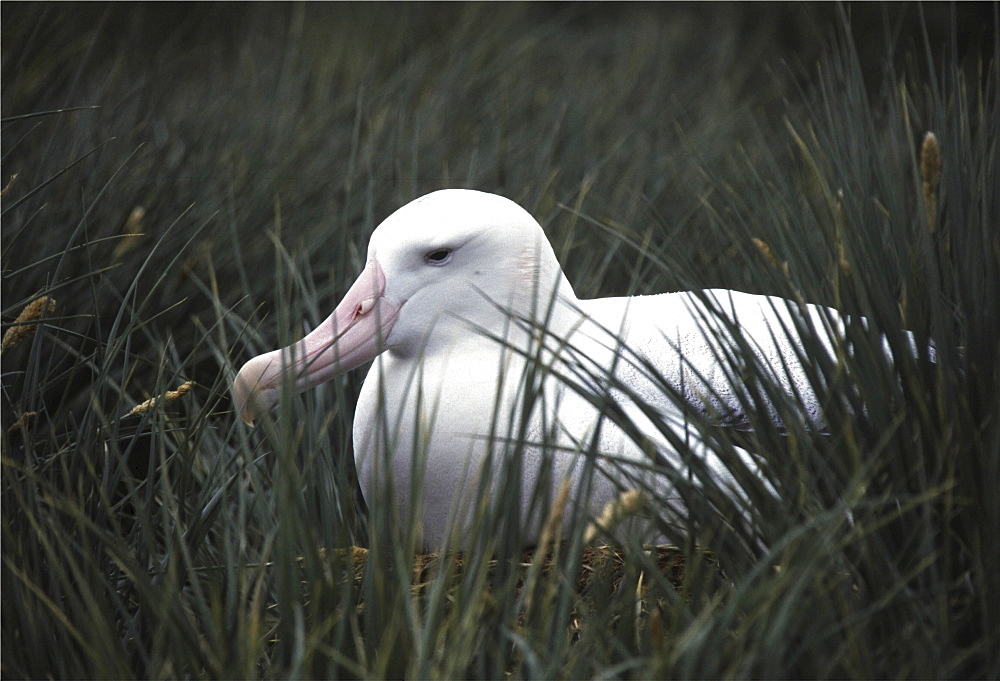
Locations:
(354, 334)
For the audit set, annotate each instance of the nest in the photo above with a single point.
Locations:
(599, 564)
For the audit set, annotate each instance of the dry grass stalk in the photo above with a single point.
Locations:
(24, 325)
(930, 171)
(625, 504)
(132, 230)
(169, 397)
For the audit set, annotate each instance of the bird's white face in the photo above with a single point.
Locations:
(456, 255)
(451, 256)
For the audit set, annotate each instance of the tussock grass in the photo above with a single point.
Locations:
(192, 197)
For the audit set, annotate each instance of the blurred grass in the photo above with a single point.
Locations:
(195, 183)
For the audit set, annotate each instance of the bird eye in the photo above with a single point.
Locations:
(438, 256)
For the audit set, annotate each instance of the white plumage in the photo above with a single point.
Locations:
(458, 287)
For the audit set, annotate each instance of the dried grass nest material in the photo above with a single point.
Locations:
(598, 564)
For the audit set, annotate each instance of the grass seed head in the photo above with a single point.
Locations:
(171, 395)
(930, 171)
(24, 326)
(624, 505)
(767, 253)
(9, 184)
(552, 524)
(845, 265)
(765, 250)
(132, 230)
(23, 424)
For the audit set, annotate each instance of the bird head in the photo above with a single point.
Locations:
(448, 261)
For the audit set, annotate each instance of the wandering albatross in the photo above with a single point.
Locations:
(484, 352)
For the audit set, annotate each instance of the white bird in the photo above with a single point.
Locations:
(483, 352)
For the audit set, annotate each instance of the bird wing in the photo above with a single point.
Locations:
(708, 349)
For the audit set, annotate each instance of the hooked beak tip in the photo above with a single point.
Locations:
(352, 335)
(247, 391)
